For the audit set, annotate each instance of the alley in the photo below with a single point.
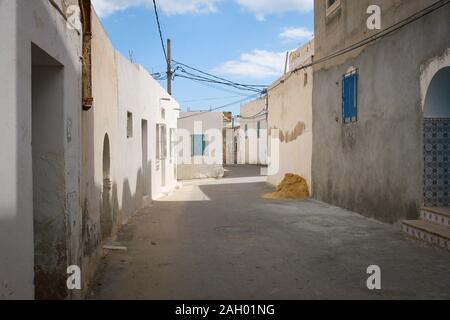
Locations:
(218, 239)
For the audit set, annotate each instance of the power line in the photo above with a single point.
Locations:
(247, 121)
(220, 78)
(258, 115)
(196, 77)
(209, 99)
(221, 107)
(159, 29)
(218, 88)
(159, 76)
(201, 79)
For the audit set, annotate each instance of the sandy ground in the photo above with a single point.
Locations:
(221, 240)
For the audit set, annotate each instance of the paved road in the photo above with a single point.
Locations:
(220, 240)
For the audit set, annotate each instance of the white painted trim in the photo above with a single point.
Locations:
(351, 70)
(429, 70)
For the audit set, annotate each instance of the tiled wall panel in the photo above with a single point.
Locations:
(437, 164)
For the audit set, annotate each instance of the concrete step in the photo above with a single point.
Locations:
(436, 215)
(432, 233)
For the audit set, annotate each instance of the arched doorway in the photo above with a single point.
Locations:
(437, 140)
(106, 216)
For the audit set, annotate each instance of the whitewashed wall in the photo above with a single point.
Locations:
(253, 150)
(141, 95)
(21, 24)
(199, 167)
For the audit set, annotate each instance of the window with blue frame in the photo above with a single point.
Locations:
(198, 145)
(350, 97)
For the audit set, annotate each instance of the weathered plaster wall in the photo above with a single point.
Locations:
(290, 111)
(200, 123)
(347, 25)
(254, 149)
(98, 122)
(21, 24)
(375, 165)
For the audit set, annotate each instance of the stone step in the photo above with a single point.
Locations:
(432, 233)
(436, 215)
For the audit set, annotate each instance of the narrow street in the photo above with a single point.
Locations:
(218, 239)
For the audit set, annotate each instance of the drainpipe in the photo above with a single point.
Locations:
(86, 12)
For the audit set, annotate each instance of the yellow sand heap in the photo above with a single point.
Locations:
(293, 186)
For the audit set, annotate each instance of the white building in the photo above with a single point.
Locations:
(40, 136)
(229, 147)
(147, 123)
(252, 148)
(123, 133)
(75, 167)
(200, 145)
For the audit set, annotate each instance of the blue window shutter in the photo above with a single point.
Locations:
(203, 144)
(198, 145)
(350, 98)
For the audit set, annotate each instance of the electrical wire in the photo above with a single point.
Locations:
(159, 29)
(209, 99)
(213, 76)
(216, 82)
(203, 79)
(159, 76)
(219, 88)
(191, 76)
(258, 115)
(223, 80)
(221, 107)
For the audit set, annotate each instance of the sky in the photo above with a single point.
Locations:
(241, 40)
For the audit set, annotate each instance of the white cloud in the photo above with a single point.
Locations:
(296, 34)
(261, 8)
(258, 64)
(105, 8)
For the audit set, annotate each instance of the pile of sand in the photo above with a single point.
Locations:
(292, 187)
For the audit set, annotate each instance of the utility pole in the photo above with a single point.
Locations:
(169, 68)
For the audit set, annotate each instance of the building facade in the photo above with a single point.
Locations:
(41, 104)
(379, 102)
(290, 114)
(200, 144)
(253, 138)
(123, 133)
(229, 154)
(74, 172)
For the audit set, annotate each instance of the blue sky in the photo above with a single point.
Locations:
(241, 40)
